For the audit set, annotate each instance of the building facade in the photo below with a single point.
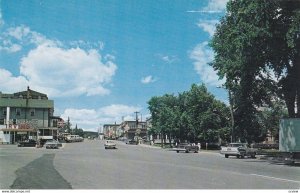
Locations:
(27, 115)
(133, 129)
(111, 131)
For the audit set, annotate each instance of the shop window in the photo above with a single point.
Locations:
(4, 112)
(18, 111)
(32, 112)
(1, 121)
(54, 123)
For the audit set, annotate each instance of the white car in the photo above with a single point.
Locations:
(240, 150)
(110, 145)
(52, 144)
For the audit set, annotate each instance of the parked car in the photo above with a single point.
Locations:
(131, 142)
(240, 150)
(52, 144)
(27, 143)
(187, 147)
(110, 145)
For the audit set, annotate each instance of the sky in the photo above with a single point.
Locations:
(102, 60)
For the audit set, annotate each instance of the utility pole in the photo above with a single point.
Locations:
(231, 112)
(136, 117)
(68, 125)
(232, 117)
(137, 125)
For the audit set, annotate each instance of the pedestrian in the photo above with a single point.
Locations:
(199, 145)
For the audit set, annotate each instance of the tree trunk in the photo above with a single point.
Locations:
(297, 79)
(170, 140)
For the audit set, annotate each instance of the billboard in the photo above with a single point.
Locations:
(289, 135)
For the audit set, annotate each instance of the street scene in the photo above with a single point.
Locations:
(89, 165)
(149, 94)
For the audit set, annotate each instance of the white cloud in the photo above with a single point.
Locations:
(99, 45)
(168, 59)
(213, 6)
(208, 26)
(216, 5)
(9, 47)
(118, 110)
(90, 119)
(58, 69)
(202, 55)
(8, 81)
(14, 39)
(18, 32)
(1, 19)
(147, 79)
(67, 72)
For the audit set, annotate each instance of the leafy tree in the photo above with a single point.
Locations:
(269, 118)
(194, 115)
(164, 117)
(257, 42)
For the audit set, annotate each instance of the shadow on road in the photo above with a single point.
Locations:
(40, 174)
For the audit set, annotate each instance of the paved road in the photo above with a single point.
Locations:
(88, 165)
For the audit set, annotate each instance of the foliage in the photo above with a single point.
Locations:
(257, 51)
(194, 115)
(269, 118)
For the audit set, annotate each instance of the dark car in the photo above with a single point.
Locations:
(187, 147)
(27, 143)
(131, 142)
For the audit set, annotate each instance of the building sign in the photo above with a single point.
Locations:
(22, 124)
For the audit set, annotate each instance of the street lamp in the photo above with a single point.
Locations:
(231, 112)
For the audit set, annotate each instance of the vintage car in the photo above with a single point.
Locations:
(110, 145)
(240, 150)
(187, 147)
(131, 142)
(52, 144)
(27, 143)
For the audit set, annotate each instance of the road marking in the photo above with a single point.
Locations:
(282, 179)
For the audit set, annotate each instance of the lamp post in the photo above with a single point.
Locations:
(231, 112)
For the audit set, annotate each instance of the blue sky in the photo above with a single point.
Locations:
(103, 60)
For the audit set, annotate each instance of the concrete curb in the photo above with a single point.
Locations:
(149, 146)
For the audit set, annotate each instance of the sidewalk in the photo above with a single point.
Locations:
(149, 146)
(171, 149)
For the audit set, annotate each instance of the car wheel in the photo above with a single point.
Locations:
(226, 156)
(177, 151)
(238, 156)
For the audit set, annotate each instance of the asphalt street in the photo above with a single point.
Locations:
(87, 165)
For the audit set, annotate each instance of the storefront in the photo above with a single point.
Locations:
(12, 136)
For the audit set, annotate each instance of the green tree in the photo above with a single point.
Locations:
(255, 39)
(164, 117)
(194, 115)
(269, 118)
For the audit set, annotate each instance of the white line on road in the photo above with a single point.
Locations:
(281, 179)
